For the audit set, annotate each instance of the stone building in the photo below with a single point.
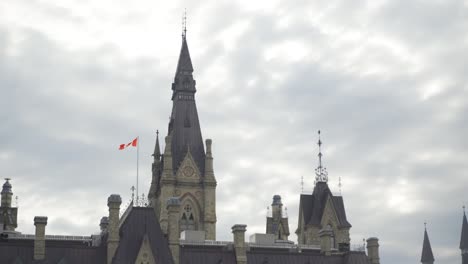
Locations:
(178, 225)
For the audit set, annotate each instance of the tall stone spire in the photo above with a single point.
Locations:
(426, 256)
(184, 126)
(464, 239)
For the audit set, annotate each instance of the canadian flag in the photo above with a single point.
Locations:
(134, 143)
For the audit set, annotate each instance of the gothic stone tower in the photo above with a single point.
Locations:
(184, 169)
(277, 224)
(322, 210)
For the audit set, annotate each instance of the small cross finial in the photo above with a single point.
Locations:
(425, 225)
(7, 179)
(464, 208)
(157, 132)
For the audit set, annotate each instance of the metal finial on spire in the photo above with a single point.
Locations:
(184, 24)
(302, 184)
(133, 192)
(425, 225)
(464, 209)
(339, 184)
(321, 172)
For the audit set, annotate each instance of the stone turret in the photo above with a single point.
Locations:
(8, 214)
(277, 224)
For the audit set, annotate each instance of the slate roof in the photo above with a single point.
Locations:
(426, 255)
(202, 254)
(313, 205)
(282, 256)
(464, 234)
(141, 221)
(70, 252)
(184, 125)
(193, 254)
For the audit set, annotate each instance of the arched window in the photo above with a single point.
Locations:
(187, 221)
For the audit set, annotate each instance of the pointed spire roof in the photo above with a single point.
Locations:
(185, 62)
(184, 126)
(157, 149)
(464, 233)
(426, 255)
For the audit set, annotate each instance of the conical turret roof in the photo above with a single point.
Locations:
(464, 233)
(426, 255)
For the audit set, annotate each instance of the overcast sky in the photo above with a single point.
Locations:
(385, 81)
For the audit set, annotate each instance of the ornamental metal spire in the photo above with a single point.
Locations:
(184, 24)
(320, 172)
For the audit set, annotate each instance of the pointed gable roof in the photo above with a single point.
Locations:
(313, 205)
(426, 255)
(464, 233)
(141, 222)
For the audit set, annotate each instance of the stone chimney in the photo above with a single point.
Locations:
(113, 202)
(39, 241)
(173, 211)
(326, 240)
(239, 243)
(373, 250)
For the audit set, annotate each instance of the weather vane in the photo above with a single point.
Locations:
(321, 172)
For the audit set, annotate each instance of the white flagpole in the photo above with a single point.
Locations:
(138, 150)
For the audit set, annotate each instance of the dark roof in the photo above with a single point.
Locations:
(184, 126)
(70, 252)
(185, 62)
(190, 254)
(141, 221)
(282, 256)
(464, 234)
(426, 255)
(313, 205)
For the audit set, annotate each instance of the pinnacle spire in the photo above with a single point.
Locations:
(157, 149)
(464, 233)
(426, 256)
(320, 172)
(184, 66)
